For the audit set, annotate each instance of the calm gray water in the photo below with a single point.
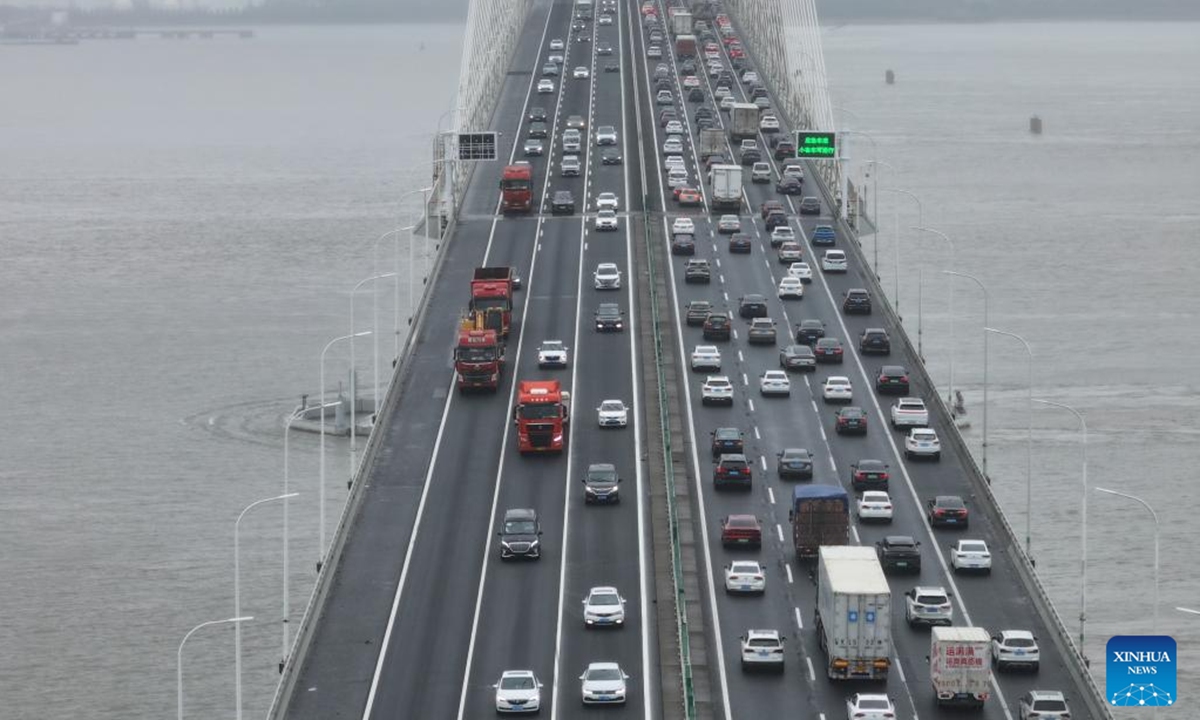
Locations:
(181, 224)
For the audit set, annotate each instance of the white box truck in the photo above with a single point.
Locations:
(854, 620)
(681, 23)
(960, 665)
(743, 121)
(726, 187)
(711, 141)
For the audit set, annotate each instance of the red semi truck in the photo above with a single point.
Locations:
(492, 299)
(516, 188)
(542, 413)
(478, 358)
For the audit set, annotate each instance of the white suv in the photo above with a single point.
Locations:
(762, 648)
(607, 201)
(716, 389)
(1013, 648)
(607, 276)
(922, 442)
(909, 412)
(925, 605)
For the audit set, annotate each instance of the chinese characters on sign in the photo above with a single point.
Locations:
(816, 144)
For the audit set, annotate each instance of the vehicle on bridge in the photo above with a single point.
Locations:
(960, 665)
(853, 613)
(541, 416)
(492, 299)
(516, 188)
(478, 357)
(820, 515)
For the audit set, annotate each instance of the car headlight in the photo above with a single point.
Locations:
(535, 543)
(504, 544)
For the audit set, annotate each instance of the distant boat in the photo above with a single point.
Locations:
(422, 46)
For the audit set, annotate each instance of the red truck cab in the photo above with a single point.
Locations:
(541, 416)
(516, 188)
(478, 358)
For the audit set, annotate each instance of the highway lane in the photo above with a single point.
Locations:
(777, 423)
(435, 600)
(581, 547)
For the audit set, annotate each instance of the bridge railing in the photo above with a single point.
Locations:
(310, 620)
(681, 621)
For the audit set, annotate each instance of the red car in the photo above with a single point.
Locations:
(741, 531)
(690, 198)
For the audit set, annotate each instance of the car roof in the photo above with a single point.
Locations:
(930, 590)
(838, 379)
(603, 589)
(727, 431)
(829, 341)
(520, 514)
(601, 467)
(603, 666)
(899, 540)
(1047, 695)
(1016, 634)
(743, 563)
(893, 370)
(878, 494)
(742, 518)
(870, 462)
(948, 500)
(732, 457)
(753, 298)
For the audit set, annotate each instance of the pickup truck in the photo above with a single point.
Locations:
(909, 412)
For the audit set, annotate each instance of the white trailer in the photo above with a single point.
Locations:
(854, 620)
(743, 121)
(960, 665)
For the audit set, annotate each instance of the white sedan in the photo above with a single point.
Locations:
(922, 442)
(603, 683)
(727, 102)
(706, 357)
(870, 706)
(580, 73)
(612, 413)
(673, 126)
(672, 162)
(875, 505)
(782, 234)
(729, 224)
(518, 691)
(545, 86)
(970, 555)
(607, 201)
(716, 389)
(673, 145)
(552, 353)
(774, 382)
(837, 388)
(556, 44)
(683, 225)
(834, 261)
(769, 124)
(801, 271)
(791, 288)
(745, 576)
(603, 606)
(607, 220)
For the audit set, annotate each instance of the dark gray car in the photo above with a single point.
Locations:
(520, 534)
(600, 484)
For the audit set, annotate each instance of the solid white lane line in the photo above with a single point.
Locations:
(412, 539)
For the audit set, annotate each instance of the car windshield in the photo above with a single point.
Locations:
(612, 406)
(607, 475)
(540, 411)
(476, 354)
(516, 683)
(603, 674)
(1049, 706)
(519, 527)
(552, 346)
(606, 598)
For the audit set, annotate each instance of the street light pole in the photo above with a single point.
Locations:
(354, 369)
(1153, 515)
(1028, 446)
(287, 574)
(179, 657)
(873, 161)
(1083, 512)
(985, 364)
(321, 494)
(842, 159)
(237, 596)
(921, 280)
(879, 223)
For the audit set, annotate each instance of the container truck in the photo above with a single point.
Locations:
(711, 141)
(685, 46)
(681, 23)
(726, 187)
(960, 665)
(516, 187)
(541, 416)
(820, 515)
(853, 616)
(743, 121)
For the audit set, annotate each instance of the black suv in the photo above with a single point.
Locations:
(610, 156)
(810, 205)
(899, 553)
(948, 510)
(795, 463)
(600, 484)
(892, 380)
(716, 326)
(537, 114)
(727, 441)
(732, 469)
(697, 311)
(563, 203)
(519, 534)
(697, 271)
(869, 475)
(537, 129)
(810, 331)
(789, 185)
(774, 220)
(874, 341)
(752, 306)
(856, 301)
(683, 244)
(609, 318)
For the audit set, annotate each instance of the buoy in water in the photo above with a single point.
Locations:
(890, 77)
(1035, 125)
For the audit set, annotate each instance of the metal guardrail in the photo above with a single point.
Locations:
(681, 621)
(1077, 662)
(310, 619)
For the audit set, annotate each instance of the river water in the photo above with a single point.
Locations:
(181, 224)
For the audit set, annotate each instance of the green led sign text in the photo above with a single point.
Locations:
(816, 144)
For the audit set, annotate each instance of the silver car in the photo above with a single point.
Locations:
(534, 147)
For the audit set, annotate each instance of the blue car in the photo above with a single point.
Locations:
(823, 235)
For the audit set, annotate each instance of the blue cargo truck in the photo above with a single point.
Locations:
(820, 515)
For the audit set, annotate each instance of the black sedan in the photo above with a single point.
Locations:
(789, 185)
(795, 463)
(892, 380)
(829, 350)
(739, 243)
(810, 331)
